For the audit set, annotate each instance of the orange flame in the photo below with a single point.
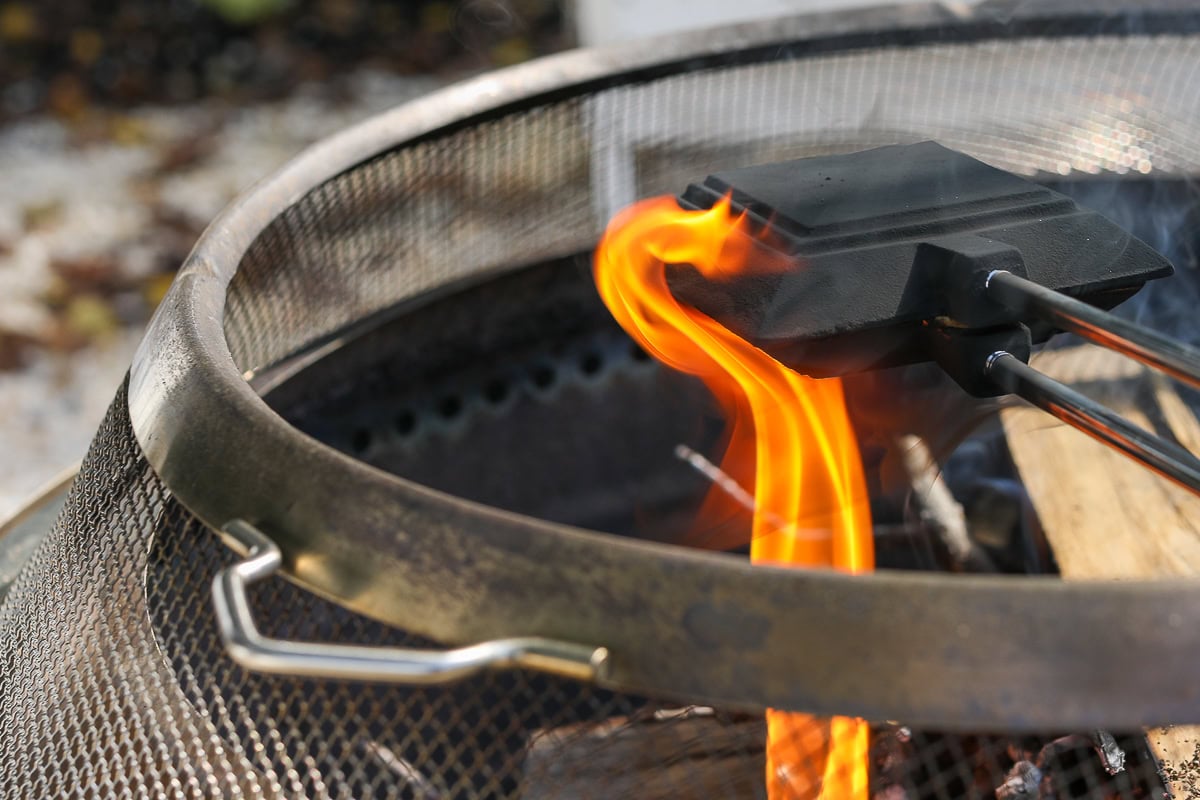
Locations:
(787, 433)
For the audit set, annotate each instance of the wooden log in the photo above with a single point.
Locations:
(665, 757)
(1106, 516)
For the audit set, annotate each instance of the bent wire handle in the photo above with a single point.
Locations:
(254, 651)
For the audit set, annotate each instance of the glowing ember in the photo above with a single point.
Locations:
(789, 437)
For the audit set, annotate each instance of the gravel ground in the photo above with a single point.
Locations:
(94, 219)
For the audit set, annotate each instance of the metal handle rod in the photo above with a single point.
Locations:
(1180, 361)
(254, 651)
(1166, 458)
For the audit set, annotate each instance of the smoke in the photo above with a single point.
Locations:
(1164, 212)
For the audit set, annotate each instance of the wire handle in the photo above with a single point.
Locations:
(254, 651)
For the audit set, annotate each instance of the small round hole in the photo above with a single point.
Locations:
(637, 353)
(406, 423)
(591, 363)
(361, 440)
(496, 391)
(450, 406)
(543, 377)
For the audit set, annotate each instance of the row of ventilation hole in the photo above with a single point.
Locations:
(591, 364)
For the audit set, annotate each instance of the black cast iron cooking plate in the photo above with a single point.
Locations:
(883, 239)
(521, 392)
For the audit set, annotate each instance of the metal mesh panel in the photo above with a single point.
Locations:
(112, 681)
(419, 218)
(543, 182)
(115, 684)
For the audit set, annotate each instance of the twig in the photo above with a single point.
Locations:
(718, 476)
(938, 508)
(422, 787)
(731, 487)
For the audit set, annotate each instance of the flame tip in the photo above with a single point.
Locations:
(789, 438)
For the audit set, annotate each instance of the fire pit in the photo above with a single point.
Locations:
(466, 500)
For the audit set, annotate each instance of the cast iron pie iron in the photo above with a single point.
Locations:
(915, 253)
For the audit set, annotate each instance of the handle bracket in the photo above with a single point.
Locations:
(254, 651)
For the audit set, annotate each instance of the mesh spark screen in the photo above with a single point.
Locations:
(112, 679)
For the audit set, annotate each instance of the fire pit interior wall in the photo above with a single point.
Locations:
(430, 312)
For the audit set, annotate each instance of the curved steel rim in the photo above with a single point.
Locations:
(1017, 653)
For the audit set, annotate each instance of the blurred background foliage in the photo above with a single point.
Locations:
(67, 55)
(125, 127)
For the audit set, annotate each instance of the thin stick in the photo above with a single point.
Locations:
(725, 482)
(938, 508)
(717, 475)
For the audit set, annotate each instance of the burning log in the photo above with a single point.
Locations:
(693, 753)
(1107, 518)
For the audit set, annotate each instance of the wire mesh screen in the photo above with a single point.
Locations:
(543, 182)
(113, 682)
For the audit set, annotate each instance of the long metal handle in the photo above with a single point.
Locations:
(1164, 457)
(390, 664)
(1179, 360)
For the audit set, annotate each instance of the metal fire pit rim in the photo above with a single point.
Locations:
(1005, 653)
